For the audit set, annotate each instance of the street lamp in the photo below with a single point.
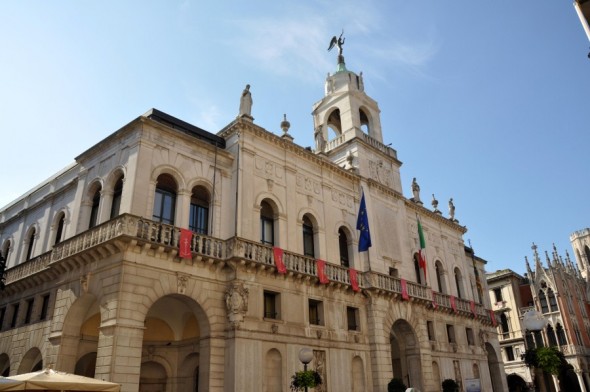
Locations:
(305, 356)
(533, 321)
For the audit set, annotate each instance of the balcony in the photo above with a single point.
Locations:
(113, 236)
(500, 306)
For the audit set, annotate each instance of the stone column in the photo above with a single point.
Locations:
(118, 357)
(379, 344)
(580, 373)
(183, 201)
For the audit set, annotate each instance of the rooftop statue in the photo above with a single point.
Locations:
(337, 42)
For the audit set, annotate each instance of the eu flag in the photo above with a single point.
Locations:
(362, 224)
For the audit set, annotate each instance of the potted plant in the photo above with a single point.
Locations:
(305, 379)
(396, 385)
(450, 385)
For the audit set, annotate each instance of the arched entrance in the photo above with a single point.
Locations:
(568, 380)
(173, 345)
(79, 338)
(405, 354)
(4, 365)
(32, 361)
(86, 365)
(516, 383)
(494, 367)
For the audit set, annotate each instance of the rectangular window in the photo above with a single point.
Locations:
(451, 333)
(509, 353)
(498, 294)
(29, 312)
(393, 272)
(44, 307)
(271, 305)
(2, 314)
(14, 315)
(430, 328)
(308, 249)
(352, 319)
(164, 206)
(199, 219)
(470, 336)
(316, 312)
(267, 231)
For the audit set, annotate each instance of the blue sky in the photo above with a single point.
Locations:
(485, 102)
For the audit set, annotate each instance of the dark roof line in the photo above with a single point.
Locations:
(175, 123)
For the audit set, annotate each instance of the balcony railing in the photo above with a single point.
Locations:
(206, 247)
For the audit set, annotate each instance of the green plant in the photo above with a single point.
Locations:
(450, 385)
(396, 385)
(548, 359)
(305, 378)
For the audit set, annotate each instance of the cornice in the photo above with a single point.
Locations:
(437, 217)
(246, 126)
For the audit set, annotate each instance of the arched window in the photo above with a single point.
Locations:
(439, 276)
(6, 250)
(561, 335)
(94, 209)
(459, 282)
(165, 199)
(417, 268)
(334, 124)
(31, 244)
(308, 244)
(267, 224)
(343, 246)
(551, 336)
(587, 252)
(475, 371)
(117, 196)
(543, 301)
(552, 301)
(199, 210)
(365, 123)
(59, 230)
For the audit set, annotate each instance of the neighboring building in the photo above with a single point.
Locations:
(583, 9)
(510, 296)
(560, 291)
(98, 283)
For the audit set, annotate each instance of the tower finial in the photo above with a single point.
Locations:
(338, 42)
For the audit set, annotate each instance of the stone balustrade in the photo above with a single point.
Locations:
(148, 231)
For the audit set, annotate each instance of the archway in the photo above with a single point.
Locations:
(86, 365)
(405, 354)
(568, 380)
(153, 377)
(32, 361)
(172, 354)
(516, 383)
(79, 340)
(4, 365)
(494, 367)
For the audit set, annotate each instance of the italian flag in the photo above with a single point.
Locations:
(421, 256)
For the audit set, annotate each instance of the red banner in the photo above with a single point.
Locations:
(321, 266)
(354, 279)
(453, 303)
(184, 244)
(493, 317)
(472, 306)
(405, 295)
(434, 304)
(280, 264)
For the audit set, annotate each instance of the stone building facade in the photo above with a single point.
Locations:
(99, 284)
